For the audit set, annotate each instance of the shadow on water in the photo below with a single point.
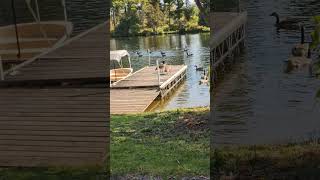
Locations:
(257, 102)
(189, 93)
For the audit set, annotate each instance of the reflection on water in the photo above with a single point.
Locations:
(257, 102)
(189, 93)
(84, 14)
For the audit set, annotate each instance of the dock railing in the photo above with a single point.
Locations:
(1, 70)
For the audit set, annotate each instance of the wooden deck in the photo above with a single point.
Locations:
(82, 57)
(137, 92)
(45, 119)
(54, 126)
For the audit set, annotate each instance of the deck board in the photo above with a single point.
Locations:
(82, 57)
(147, 77)
(39, 124)
(53, 125)
(126, 101)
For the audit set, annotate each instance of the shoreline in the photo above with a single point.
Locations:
(284, 161)
(112, 35)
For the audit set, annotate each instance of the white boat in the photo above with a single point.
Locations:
(31, 39)
(117, 69)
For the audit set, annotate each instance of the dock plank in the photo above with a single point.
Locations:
(82, 57)
(147, 77)
(127, 101)
(36, 123)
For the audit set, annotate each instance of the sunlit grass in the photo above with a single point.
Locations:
(161, 144)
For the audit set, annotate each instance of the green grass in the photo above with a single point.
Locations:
(166, 144)
(292, 161)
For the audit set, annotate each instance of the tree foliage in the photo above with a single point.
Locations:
(132, 17)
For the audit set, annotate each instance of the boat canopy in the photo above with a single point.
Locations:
(117, 55)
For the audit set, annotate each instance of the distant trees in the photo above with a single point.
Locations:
(130, 17)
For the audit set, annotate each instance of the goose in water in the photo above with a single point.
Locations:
(139, 53)
(198, 68)
(163, 54)
(189, 54)
(300, 54)
(204, 78)
(289, 24)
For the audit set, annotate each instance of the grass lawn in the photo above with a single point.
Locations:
(161, 145)
(292, 161)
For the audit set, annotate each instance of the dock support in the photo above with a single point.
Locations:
(226, 44)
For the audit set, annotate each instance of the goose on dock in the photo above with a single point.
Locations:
(163, 67)
(198, 68)
(288, 24)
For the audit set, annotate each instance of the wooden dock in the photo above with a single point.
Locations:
(54, 107)
(137, 92)
(227, 38)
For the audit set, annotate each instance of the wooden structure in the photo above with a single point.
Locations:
(54, 107)
(137, 92)
(228, 35)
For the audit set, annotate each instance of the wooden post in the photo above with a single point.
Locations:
(1, 70)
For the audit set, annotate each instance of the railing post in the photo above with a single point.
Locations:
(158, 73)
(1, 70)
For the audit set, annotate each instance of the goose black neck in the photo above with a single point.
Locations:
(302, 35)
(309, 51)
(278, 18)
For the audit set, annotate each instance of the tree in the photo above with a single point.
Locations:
(203, 6)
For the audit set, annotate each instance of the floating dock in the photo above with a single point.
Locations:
(137, 92)
(227, 38)
(54, 109)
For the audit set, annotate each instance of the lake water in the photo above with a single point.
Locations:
(258, 102)
(84, 14)
(190, 93)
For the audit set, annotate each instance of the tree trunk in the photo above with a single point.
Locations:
(202, 12)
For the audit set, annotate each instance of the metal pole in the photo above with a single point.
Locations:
(65, 17)
(38, 11)
(1, 70)
(149, 59)
(158, 72)
(16, 27)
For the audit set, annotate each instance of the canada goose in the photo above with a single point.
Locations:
(163, 67)
(198, 68)
(139, 53)
(289, 24)
(163, 54)
(189, 54)
(204, 78)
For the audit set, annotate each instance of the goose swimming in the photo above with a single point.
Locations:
(288, 24)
